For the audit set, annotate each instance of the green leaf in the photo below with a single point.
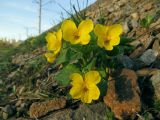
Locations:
(125, 40)
(62, 57)
(90, 65)
(62, 77)
(103, 87)
(145, 22)
(109, 114)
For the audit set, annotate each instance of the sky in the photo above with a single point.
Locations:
(19, 18)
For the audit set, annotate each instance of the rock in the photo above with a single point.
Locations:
(146, 40)
(123, 94)
(5, 115)
(147, 6)
(147, 72)
(122, 2)
(156, 46)
(90, 112)
(137, 52)
(125, 27)
(135, 16)
(125, 61)
(155, 79)
(59, 115)
(149, 56)
(8, 111)
(39, 109)
(134, 23)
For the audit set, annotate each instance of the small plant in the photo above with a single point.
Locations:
(84, 52)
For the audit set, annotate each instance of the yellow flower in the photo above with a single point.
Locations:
(77, 35)
(108, 36)
(54, 43)
(85, 88)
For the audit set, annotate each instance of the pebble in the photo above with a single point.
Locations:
(149, 56)
(125, 27)
(156, 83)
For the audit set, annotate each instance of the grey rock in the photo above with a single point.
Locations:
(90, 112)
(149, 56)
(125, 62)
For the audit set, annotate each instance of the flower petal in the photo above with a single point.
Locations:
(108, 46)
(115, 41)
(85, 27)
(52, 42)
(100, 42)
(84, 39)
(76, 92)
(115, 30)
(76, 78)
(77, 85)
(68, 28)
(50, 57)
(85, 98)
(59, 34)
(94, 92)
(92, 77)
(100, 30)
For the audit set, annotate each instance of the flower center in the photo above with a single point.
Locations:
(106, 42)
(85, 87)
(76, 35)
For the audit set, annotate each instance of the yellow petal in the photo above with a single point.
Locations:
(115, 41)
(68, 28)
(115, 30)
(108, 46)
(100, 42)
(92, 77)
(85, 27)
(50, 57)
(52, 42)
(85, 98)
(59, 34)
(75, 41)
(76, 92)
(77, 85)
(94, 92)
(100, 30)
(76, 79)
(84, 39)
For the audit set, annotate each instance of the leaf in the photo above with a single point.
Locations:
(145, 22)
(102, 87)
(109, 114)
(125, 40)
(62, 57)
(90, 65)
(62, 77)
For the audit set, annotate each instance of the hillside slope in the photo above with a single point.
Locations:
(29, 79)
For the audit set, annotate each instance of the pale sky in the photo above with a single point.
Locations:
(18, 16)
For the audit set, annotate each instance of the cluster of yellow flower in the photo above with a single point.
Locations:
(85, 88)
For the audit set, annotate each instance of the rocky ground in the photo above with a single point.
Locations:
(28, 90)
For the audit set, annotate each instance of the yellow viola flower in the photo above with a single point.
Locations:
(85, 88)
(54, 43)
(77, 35)
(108, 36)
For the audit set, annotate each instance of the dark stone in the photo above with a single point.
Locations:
(123, 88)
